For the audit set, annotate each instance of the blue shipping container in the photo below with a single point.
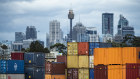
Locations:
(93, 45)
(3, 66)
(15, 66)
(97, 45)
(91, 73)
(34, 72)
(34, 59)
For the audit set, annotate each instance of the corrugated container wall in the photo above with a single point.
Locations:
(72, 62)
(91, 48)
(58, 68)
(116, 72)
(100, 72)
(15, 76)
(17, 56)
(72, 74)
(2, 76)
(104, 45)
(83, 62)
(3, 68)
(83, 74)
(83, 48)
(34, 59)
(15, 66)
(62, 58)
(48, 67)
(58, 76)
(91, 73)
(72, 48)
(132, 71)
(34, 73)
(48, 76)
(91, 63)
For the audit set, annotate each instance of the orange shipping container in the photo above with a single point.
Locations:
(83, 48)
(58, 76)
(47, 76)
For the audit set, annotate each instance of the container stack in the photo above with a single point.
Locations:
(117, 63)
(12, 69)
(34, 65)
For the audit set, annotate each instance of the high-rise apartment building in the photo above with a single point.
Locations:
(55, 32)
(31, 32)
(107, 23)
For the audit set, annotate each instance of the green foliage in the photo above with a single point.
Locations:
(46, 50)
(36, 47)
(4, 47)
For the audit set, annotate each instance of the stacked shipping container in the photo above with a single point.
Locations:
(117, 63)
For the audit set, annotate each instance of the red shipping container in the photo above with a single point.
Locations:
(132, 71)
(83, 48)
(100, 72)
(62, 58)
(55, 68)
(72, 74)
(48, 67)
(17, 56)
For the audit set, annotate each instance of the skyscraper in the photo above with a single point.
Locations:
(55, 32)
(19, 36)
(107, 23)
(71, 16)
(47, 40)
(31, 32)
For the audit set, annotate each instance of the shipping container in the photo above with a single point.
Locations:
(62, 58)
(101, 72)
(91, 63)
(48, 76)
(2, 76)
(65, 73)
(15, 66)
(83, 48)
(132, 71)
(83, 73)
(34, 73)
(72, 74)
(99, 56)
(72, 48)
(17, 56)
(15, 76)
(105, 45)
(91, 48)
(48, 67)
(58, 76)
(83, 62)
(72, 62)
(91, 73)
(97, 44)
(116, 72)
(3, 64)
(34, 59)
(58, 68)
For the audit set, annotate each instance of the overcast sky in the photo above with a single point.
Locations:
(16, 15)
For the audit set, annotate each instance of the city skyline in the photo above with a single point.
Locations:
(15, 16)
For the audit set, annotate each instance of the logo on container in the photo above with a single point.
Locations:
(15, 66)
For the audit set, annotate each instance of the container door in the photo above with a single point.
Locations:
(29, 73)
(40, 59)
(69, 74)
(91, 73)
(39, 73)
(75, 74)
(29, 59)
(3, 67)
(91, 48)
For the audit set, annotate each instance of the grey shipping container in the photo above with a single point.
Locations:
(34, 73)
(15, 76)
(34, 59)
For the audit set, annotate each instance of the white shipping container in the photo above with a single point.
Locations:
(91, 63)
(15, 76)
(2, 76)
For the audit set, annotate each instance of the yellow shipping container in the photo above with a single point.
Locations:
(83, 73)
(109, 56)
(131, 55)
(83, 62)
(2, 76)
(116, 72)
(48, 76)
(72, 48)
(58, 76)
(72, 62)
(99, 56)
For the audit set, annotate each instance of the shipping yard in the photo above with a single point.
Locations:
(84, 60)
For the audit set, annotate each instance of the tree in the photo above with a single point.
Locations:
(36, 47)
(60, 47)
(4, 47)
(46, 50)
